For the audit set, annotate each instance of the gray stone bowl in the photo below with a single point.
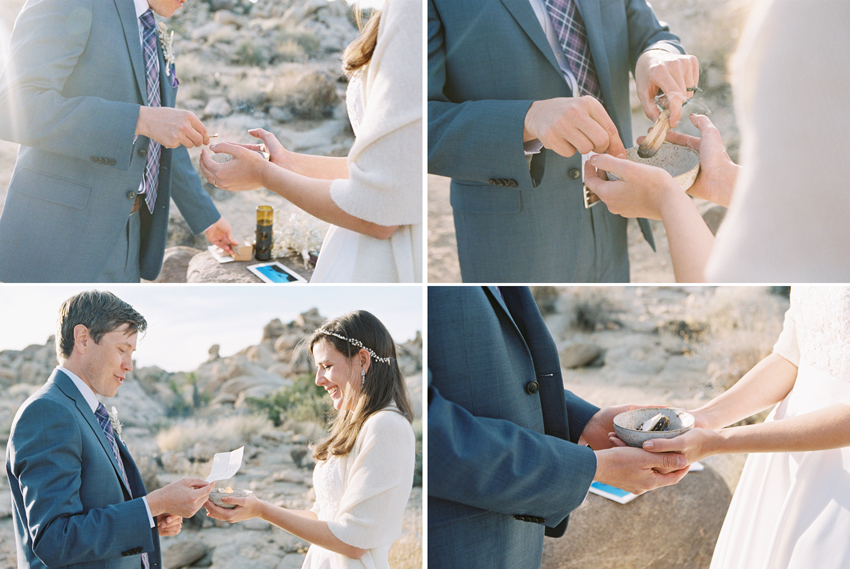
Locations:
(679, 161)
(626, 424)
(218, 493)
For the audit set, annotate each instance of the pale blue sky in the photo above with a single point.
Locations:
(184, 321)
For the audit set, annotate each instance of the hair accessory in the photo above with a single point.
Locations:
(356, 343)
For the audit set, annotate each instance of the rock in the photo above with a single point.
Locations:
(579, 354)
(291, 561)
(217, 107)
(605, 535)
(179, 233)
(203, 268)
(214, 352)
(273, 330)
(298, 455)
(713, 217)
(175, 264)
(183, 554)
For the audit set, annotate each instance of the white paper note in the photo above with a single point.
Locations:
(225, 465)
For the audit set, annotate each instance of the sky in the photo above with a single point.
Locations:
(184, 321)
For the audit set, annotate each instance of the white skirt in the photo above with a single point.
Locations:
(792, 510)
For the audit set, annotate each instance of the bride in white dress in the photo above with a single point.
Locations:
(372, 198)
(791, 509)
(364, 470)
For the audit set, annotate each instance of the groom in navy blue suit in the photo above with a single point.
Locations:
(507, 454)
(78, 498)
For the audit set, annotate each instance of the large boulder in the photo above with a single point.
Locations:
(675, 526)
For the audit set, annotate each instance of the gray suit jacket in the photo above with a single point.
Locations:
(488, 60)
(70, 505)
(70, 95)
(502, 459)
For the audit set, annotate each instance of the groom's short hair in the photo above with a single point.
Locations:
(100, 312)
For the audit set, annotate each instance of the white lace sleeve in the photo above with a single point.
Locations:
(787, 345)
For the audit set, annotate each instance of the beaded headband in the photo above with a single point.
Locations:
(356, 343)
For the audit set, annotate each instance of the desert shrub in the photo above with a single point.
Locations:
(227, 432)
(303, 401)
(593, 308)
(406, 551)
(248, 53)
(309, 96)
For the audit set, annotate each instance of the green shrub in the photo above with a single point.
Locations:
(301, 401)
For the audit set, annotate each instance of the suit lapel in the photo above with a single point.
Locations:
(127, 12)
(524, 15)
(67, 386)
(589, 10)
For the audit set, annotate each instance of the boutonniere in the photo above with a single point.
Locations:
(113, 419)
(167, 41)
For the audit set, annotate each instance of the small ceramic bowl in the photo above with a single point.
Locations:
(626, 424)
(679, 161)
(218, 493)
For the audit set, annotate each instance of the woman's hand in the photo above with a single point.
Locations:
(245, 172)
(169, 525)
(695, 445)
(718, 173)
(642, 190)
(246, 508)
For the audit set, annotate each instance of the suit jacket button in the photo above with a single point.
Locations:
(131, 195)
(574, 173)
(492, 182)
(532, 387)
(112, 162)
(143, 152)
(512, 183)
(93, 159)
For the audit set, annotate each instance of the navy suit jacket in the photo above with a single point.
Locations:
(70, 95)
(71, 508)
(502, 455)
(488, 60)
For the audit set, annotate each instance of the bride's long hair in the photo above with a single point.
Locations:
(359, 52)
(383, 385)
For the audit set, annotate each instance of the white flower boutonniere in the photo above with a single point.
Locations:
(113, 419)
(167, 41)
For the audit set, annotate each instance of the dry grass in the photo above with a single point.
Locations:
(406, 552)
(227, 432)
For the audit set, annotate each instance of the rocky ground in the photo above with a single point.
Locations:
(268, 64)
(175, 422)
(709, 30)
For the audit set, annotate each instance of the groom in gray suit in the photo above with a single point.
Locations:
(88, 92)
(518, 90)
(77, 496)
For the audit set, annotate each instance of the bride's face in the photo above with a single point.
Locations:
(339, 375)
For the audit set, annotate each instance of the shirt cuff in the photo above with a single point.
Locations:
(150, 517)
(532, 146)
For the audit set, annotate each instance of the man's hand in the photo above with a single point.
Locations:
(671, 73)
(601, 424)
(172, 127)
(182, 498)
(569, 125)
(637, 471)
(221, 234)
(169, 525)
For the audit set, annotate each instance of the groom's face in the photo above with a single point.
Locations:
(165, 8)
(106, 363)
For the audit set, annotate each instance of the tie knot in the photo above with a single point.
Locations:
(101, 412)
(147, 19)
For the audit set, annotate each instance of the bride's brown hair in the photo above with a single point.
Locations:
(383, 385)
(359, 52)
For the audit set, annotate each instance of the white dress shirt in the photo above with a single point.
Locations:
(91, 398)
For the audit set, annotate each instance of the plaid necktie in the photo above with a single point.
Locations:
(573, 39)
(106, 425)
(149, 37)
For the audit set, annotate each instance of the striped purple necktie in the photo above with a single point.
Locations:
(573, 39)
(149, 37)
(106, 425)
